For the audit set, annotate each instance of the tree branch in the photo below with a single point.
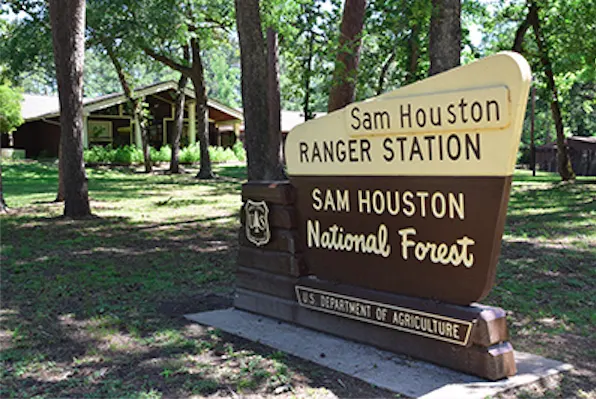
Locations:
(168, 61)
(383, 73)
(520, 33)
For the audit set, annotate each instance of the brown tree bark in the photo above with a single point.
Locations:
(67, 19)
(179, 118)
(144, 136)
(444, 44)
(520, 34)
(274, 101)
(195, 73)
(3, 206)
(178, 124)
(413, 53)
(136, 105)
(198, 80)
(346, 65)
(563, 162)
(260, 144)
(383, 73)
(307, 68)
(308, 114)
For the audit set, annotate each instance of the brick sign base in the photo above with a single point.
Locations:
(273, 280)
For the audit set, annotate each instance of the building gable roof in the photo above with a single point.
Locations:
(36, 107)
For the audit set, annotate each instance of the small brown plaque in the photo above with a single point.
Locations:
(411, 321)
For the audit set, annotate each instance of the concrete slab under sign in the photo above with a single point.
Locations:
(383, 369)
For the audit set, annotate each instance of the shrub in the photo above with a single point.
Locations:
(132, 155)
(219, 154)
(239, 151)
(127, 155)
(163, 155)
(99, 154)
(190, 154)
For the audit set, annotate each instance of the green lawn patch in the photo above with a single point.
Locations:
(94, 308)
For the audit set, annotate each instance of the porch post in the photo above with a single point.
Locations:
(192, 123)
(237, 129)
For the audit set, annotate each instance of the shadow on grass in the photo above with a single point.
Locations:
(93, 308)
(560, 210)
(70, 287)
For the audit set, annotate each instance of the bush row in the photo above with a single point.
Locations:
(130, 154)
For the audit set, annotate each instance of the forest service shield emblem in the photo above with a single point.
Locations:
(257, 222)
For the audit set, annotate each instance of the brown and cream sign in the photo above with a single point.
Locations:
(407, 192)
(434, 326)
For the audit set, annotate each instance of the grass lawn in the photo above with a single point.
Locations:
(94, 308)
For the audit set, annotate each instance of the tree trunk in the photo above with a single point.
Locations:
(274, 101)
(3, 206)
(178, 124)
(413, 53)
(383, 73)
(198, 81)
(195, 73)
(255, 94)
(179, 118)
(520, 34)
(144, 135)
(346, 65)
(444, 44)
(67, 18)
(306, 77)
(135, 103)
(563, 162)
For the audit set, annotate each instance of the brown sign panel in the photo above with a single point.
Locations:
(434, 326)
(407, 192)
(418, 236)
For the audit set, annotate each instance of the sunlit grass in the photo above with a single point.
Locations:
(93, 308)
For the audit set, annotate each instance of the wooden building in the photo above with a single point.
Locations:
(108, 121)
(582, 153)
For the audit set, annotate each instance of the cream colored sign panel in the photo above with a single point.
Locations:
(464, 122)
(479, 109)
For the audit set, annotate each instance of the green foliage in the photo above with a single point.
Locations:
(220, 154)
(26, 48)
(128, 155)
(125, 155)
(164, 154)
(309, 32)
(98, 154)
(222, 73)
(566, 27)
(239, 151)
(10, 108)
(190, 154)
(394, 31)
